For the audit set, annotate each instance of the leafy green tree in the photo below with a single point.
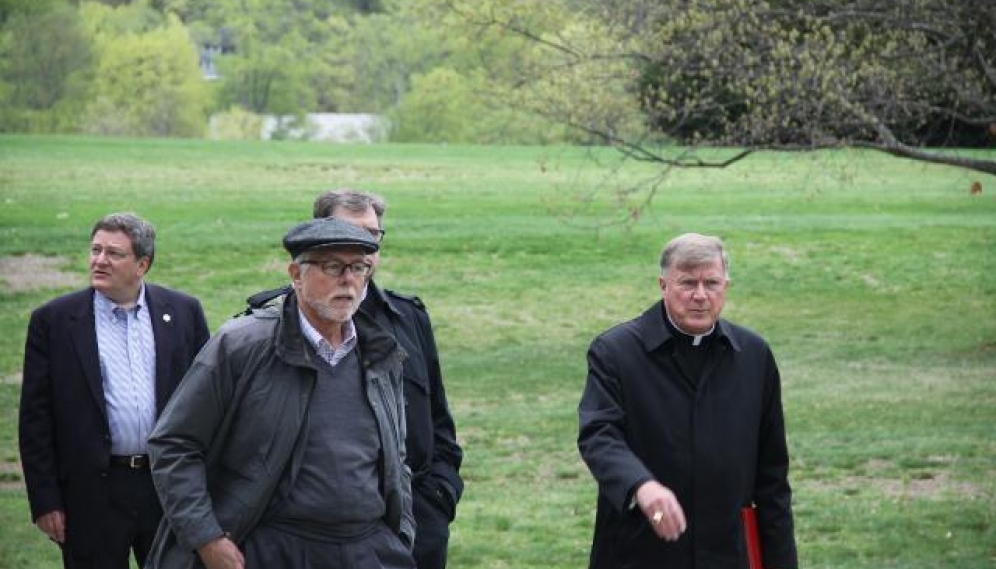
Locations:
(439, 108)
(440, 79)
(282, 58)
(265, 79)
(279, 56)
(445, 105)
(9, 8)
(45, 64)
(290, 57)
(148, 84)
(107, 19)
(220, 13)
(779, 74)
(383, 52)
(329, 76)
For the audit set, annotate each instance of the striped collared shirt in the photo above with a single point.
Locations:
(324, 349)
(127, 351)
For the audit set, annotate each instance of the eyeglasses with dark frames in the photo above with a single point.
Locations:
(338, 268)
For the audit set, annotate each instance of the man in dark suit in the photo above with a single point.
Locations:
(99, 366)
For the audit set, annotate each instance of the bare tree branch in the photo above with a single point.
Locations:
(902, 151)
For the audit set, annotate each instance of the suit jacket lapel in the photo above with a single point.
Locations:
(164, 336)
(84, 337)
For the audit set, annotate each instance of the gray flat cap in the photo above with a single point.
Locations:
(327, 232)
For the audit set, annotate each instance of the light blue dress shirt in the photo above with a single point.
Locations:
(127, 350)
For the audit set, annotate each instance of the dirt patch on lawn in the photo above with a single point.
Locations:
(26, 273)
(929, 485)
(10, 476)
(910, 485)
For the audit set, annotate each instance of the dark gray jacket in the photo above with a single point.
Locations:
(221, 445)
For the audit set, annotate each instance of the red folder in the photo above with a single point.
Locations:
(751, 537)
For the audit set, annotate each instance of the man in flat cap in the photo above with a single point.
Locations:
(433, 452)
(284, 445)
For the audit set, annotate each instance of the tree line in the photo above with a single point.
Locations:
(132, 68)
(906, 77)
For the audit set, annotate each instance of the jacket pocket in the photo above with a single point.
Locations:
(437, 492)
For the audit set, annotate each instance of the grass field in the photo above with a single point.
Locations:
(874, 279)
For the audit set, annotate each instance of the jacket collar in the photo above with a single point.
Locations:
(377, 297)
(654, 333)
(376, 344)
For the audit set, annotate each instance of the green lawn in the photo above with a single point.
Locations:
(874, 279)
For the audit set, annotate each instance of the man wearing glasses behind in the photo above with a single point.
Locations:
(284, 445)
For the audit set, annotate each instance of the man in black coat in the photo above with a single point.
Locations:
(681, 425)
(99, 366)
(433, 453)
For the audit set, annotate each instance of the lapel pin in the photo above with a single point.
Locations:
(167, 317)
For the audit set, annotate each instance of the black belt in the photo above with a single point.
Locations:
(133, 461)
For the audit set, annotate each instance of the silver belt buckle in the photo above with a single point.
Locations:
(135, 461)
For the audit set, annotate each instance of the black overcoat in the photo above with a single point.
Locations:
(719, 446)
(434, 454)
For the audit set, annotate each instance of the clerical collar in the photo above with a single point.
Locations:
(695, 339)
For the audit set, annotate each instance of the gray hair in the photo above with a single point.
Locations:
(693, 250)
(140, 232)
(350, 200)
